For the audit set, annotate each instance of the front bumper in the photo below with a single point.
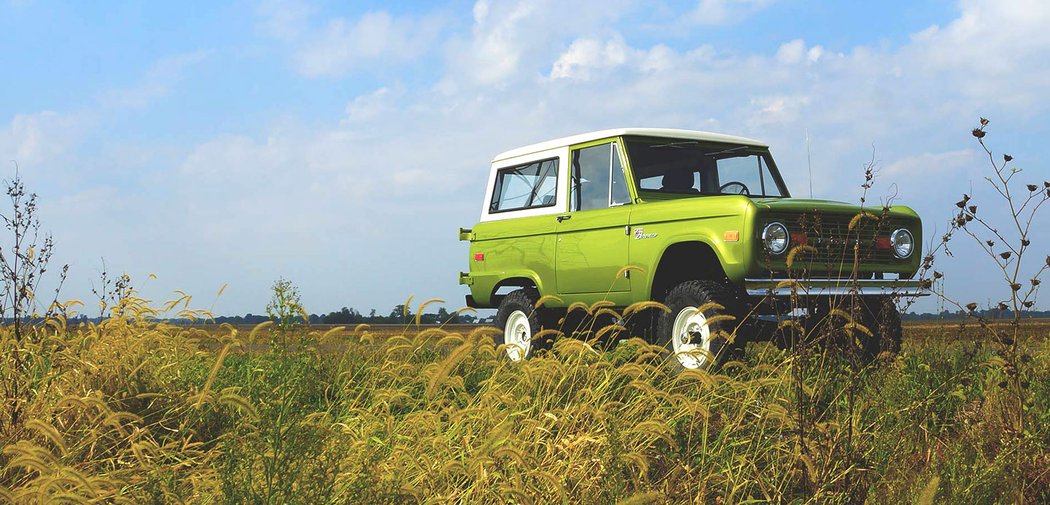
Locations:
(835, 287)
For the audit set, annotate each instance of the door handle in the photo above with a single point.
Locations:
(564, 217)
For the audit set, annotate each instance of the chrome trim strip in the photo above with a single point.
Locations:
(834, 287)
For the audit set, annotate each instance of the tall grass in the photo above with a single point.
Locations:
(130, 411)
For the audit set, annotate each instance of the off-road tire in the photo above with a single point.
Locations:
(884, 320)
(684, 300)
(521, 306)
(878, 315)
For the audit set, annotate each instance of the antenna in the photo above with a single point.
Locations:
(809, 164)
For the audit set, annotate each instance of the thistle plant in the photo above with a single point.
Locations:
(1006, 241)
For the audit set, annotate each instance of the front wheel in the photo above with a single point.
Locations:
(520, 320)
(699, 329)
(884, 320)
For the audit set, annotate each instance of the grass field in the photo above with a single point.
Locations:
(135, 412)
(916, 332)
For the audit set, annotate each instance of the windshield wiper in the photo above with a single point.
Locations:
(727, 151)
(674, 144)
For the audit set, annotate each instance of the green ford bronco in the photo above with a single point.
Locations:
(700, 222)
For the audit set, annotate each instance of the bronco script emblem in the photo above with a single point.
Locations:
(640, 234)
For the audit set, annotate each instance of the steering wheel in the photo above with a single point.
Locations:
(734, 188)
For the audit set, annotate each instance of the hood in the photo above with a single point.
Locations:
(814, 205)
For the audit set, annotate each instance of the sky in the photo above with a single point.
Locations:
(340, 145)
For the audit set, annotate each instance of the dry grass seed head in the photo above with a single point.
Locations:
(48, 431)
(441, 374)
(841, 314)
(423, 306)
(578, 306)
(425, 335)
(611, 328)
(450, 339)
(853, 327)
(571, 347)
(548, 333)
(790, 261)
(644, 497)
(859, 217)
(629, 268)
(546, 299)
(600, 304)
(485, 332)
(256, 329)
(637, 307)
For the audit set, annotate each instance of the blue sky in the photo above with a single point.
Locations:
(341, 145)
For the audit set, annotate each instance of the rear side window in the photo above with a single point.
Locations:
(526, 186)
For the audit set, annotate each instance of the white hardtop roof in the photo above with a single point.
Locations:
(616, 132)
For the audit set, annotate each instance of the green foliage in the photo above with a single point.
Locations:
(286, 312)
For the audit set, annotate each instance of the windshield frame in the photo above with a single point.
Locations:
(629, 143)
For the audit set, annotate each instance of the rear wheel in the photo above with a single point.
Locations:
(520, 321)
(698, 329)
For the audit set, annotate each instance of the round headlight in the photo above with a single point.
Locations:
(903, 243)
(775, 237)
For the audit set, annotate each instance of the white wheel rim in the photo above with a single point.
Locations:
(517, 334)
(691, 338)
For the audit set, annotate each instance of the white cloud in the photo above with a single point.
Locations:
(513, 41)
(794, 52)
(40, 138)
(585, 55)
(481, 11)
(336, 46)
(376, 37)
(777, 109)
(716, 12)
(993, 52)
(371, 106)
(814, 54)
(791, 52)
(951, 163)
(285, 19)
(497, 49)
(157, 82)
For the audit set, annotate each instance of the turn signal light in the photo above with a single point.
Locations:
(798, 238)
(731, 236)
(883, 243)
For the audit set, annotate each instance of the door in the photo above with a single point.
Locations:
(593, 236)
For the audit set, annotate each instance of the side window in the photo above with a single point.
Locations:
(526, 186)
(597, 178)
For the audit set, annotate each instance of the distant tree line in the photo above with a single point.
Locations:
(350, 316)
(986, 313)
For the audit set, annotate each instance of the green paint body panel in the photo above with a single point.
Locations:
(576, 256)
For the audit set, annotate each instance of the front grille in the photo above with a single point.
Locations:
(834, 241)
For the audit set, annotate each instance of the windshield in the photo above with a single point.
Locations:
(672, 168)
